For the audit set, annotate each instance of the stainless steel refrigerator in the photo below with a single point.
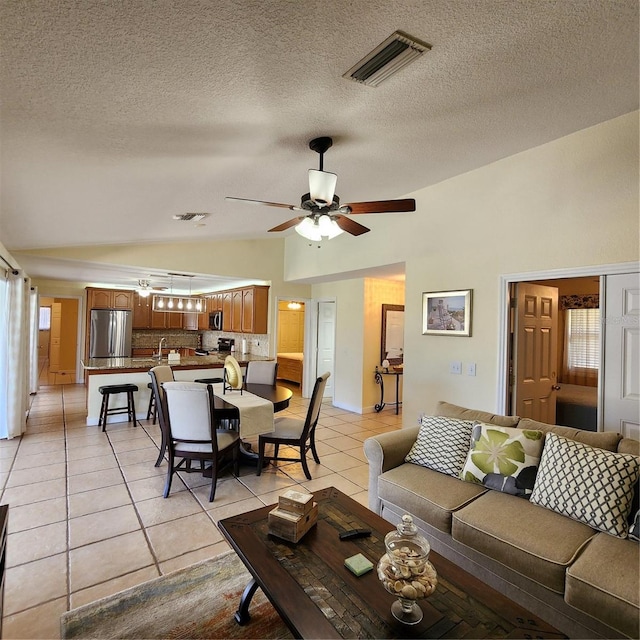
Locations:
(110, 333)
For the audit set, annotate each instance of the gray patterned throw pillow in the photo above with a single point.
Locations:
(587, 484)
(442, 444)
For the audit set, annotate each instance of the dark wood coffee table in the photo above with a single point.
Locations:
(318, 597)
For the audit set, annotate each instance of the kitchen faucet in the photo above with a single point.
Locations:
(159, 354)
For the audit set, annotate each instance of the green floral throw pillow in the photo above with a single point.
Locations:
(503, 458)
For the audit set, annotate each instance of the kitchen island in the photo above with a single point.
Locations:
(103, 371)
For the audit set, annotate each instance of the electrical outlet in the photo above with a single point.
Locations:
(471, 369)
(455, 367)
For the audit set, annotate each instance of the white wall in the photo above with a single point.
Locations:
(567, 204)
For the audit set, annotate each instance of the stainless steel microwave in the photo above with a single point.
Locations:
(215, 321)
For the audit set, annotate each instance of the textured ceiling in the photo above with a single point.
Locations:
(118, 115)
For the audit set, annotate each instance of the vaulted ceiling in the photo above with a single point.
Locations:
(115, 116)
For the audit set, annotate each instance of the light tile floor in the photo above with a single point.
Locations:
(86, 514)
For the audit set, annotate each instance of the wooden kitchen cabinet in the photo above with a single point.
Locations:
(166, 320)
(203, 318)
(109, 299)
(142, 313)
(227, 310)
(236, 311)
(245, 310)
(190, 321)
(255, 309)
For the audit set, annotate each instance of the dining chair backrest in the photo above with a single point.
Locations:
(190, 413)
(261, 372)
(161, 374)
(313, 413)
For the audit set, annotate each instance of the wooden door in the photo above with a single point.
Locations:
(535, 352)
(290, 331)
(69, 336)
(55, 336)
(621, 370)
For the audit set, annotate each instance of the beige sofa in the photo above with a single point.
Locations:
(582, 581)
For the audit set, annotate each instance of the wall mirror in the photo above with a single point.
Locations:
(392, 343)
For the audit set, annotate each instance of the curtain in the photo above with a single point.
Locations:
(14, 354)
(34, 326)
(582, 346)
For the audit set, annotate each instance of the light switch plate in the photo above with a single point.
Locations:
(471, 369)
(455, 367)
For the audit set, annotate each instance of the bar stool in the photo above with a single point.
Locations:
(151, 410)
(112, 389)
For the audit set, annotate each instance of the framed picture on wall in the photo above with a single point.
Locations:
(447, 313)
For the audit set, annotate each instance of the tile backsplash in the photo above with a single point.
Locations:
(257, 344)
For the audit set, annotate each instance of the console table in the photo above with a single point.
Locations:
(379, 373)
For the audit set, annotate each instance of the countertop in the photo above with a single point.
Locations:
(186, 362)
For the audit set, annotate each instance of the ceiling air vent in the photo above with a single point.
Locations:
(388, 57)
(190, 216)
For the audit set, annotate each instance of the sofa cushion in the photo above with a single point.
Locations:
(604, 581)
(603, 439)
(454, 411)
(587, 484)
(503, 458)
(442, 444)
(426, 494)
(629, 445)
(536, 542)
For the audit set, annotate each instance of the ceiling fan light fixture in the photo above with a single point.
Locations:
(144, 289)
(328, 227)
(309, 229)
(322, 187)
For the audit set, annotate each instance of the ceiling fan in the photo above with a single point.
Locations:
(145, 289)
(322, 214)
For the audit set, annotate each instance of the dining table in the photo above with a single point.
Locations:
(277, 394)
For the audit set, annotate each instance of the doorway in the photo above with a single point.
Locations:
(290, 334)
(605, 274)
(555, 345)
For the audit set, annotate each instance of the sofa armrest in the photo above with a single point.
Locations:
(384, 452)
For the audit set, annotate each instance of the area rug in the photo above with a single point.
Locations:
(196, 602)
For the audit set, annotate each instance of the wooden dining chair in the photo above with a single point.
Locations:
(295, 432)
(261, 372)
(159, 375)
(193, 435)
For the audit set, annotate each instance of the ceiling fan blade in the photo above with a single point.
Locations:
(350, 226)
(291, 207)
(288, 224)
(383, 206)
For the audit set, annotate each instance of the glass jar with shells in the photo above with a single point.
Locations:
(405, 570)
